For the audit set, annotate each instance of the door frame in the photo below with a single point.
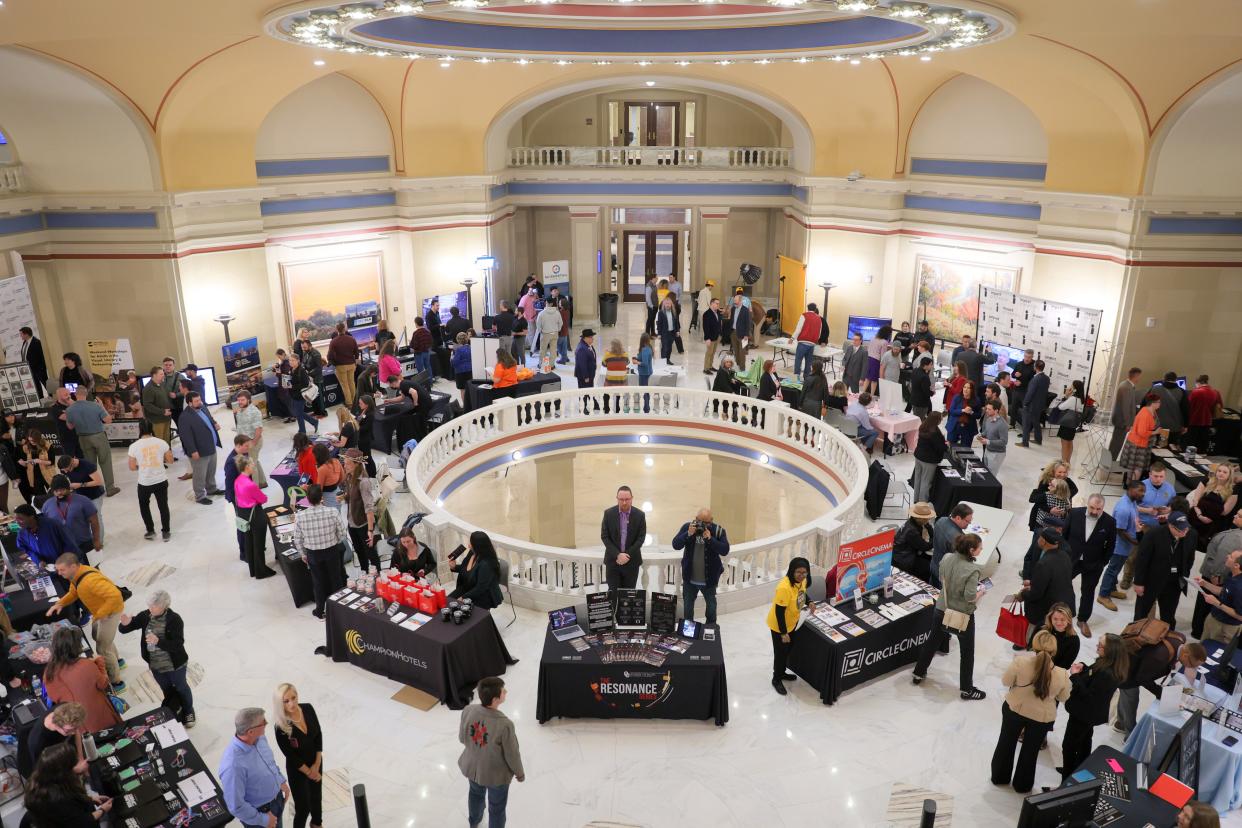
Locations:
(651, 105)
(650, 255)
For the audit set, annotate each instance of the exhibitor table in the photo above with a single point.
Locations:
(1214, 651)
(580, 685)
(990, 524)
(1143, 808)
(481, 393)
(1188, 474)
(297, 574)
(949, 490)
(24, 609)
(286, 473)
(899, 425)
(832, 667)
(1220, 766)
(444, 659)
(825, 353)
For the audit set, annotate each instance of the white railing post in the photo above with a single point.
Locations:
(710, 158)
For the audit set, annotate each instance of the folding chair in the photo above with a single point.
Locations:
(504, 583)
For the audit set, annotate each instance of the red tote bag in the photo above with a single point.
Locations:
(1011, 625)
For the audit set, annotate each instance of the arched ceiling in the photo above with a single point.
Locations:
(1100, 76)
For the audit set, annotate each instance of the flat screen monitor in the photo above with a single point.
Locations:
(242, 355)
(1071, 805)
(1181, 759)
(1181, 382)
(210, 395)
(865, 325)
(1006, 355)
(890, 396)
(447, 300)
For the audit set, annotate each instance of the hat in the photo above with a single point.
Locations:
(923, 511)
(353, 454)
(1176, 519)
(191, 367)
(1050, 536)
(60, 481)
(710, 283)
(895, 344)
(587, 332)
(1054, 522)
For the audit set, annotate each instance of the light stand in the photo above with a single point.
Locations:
(469, 285)
(224, 319)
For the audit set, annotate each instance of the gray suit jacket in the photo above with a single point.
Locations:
(636, 533)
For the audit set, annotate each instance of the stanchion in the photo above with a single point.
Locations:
(364, 815)
(928, 820)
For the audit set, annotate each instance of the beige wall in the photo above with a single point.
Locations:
(234, 282)
(846, 259)
(747, 239)
(441, 259)
(972, 119)
(730, 123)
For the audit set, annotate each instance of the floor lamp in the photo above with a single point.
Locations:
(224, 319)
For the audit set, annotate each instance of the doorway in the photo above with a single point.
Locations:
(648, 253)
(652, 124)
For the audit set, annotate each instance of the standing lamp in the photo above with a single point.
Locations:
(469, 285)
(224, 319)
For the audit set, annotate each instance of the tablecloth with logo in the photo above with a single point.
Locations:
(443, 659)
(578, 685)
(832, 668)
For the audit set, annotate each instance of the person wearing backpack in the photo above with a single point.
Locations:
(105, 602)
(1153, 648)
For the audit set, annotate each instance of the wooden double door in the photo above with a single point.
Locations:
(649, 253)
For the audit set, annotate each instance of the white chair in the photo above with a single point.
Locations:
(846, 425)
(504, 584)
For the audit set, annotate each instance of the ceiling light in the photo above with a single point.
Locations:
(521, 61)
(321, 63)
(647, 507)
(412, 56)
(648, 462)
(444, 64)
(786, 3)
(941, 18)
(644, 63)
(517, 455)
(803, 60)
(543, 2)
(854, 61)
(603, 63)
(403, 7)
(724, 63)
(644, 439)
(651, 83)
(907, 10)
(873, 56)
(839, 58)
(468, 4)
(763, 62)
(683, 63)
(562, 63)
(856, 5)
(356, 13)
(763, 458)
(483, 60)
(925, 58)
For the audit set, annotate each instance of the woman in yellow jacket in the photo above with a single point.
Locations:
(783, 618)
(1035, 685)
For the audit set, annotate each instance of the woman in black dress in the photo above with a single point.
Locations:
(56, 797)
(300, 739)
(479, 574)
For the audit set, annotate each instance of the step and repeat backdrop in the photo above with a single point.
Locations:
(1063, 336)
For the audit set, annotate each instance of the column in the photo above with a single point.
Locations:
(730, 498)
(584, 241)
(712, 222)
(552, 515)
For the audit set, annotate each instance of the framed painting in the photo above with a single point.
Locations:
(947, 293)
(318, 293)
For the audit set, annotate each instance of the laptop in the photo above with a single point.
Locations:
(565, 624)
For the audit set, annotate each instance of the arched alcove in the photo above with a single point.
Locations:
(75, 134)
(968, 119)
(329, 118)
(1196, 151)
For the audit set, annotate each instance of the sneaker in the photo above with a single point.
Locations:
(113, 491)
(1118, 594)
(190, 721)
(206, 501)
(1106, 602)
(149, 535)
(118, 687)
(167, 536)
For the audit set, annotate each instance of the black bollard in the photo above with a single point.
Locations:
(928, 820)
(360, 806)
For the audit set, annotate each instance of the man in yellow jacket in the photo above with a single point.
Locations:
(103, 601)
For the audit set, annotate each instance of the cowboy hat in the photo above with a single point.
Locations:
(922, 511)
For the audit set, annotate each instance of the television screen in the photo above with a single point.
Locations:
(865, 325)
(208, 374)
(241, 355)
(1005, 355)
(447, 300)
(1181, 381)
(361, 321)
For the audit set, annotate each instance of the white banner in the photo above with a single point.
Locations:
(557, 271)
(1063, 336)
(16, 311)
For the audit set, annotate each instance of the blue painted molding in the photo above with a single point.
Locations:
(321, 166)
(66, 220)
(497, 191)
(25, 223)
(284, 207)
(979, 169)
(1002, 209)
(592, 188)
(1195, 226)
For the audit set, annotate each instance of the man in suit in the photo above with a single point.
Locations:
(623, 531)
(975, 362)
(199, 437)
(1020, 374)
(1049, 581)
(1033, 406)
(742, 325)
(711, 334)
(32, 355)
(1126, 402)
(1092, 536)
(1158, 569)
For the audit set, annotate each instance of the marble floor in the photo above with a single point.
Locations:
(781, 760)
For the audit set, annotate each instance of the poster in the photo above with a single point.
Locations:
(948, 293)
(17, 388)
(16, 312)
(318, 292)
(361, 320)
(242, 365)
(557, 271)
(105, 357)
(864, 564)
(1063, 336)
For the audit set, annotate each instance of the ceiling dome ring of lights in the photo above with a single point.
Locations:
(640, 32)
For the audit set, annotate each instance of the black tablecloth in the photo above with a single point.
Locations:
(1143, 808)
(330, 390)
(947, 492)
(181, 761)
(399, 418)
(286, 474)
(297, 574)
(832, 668)
(478, 396)
(1227, 439)
(689, 685)
(24, 611)
(445, 660)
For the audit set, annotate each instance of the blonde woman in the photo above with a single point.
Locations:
(1213, 501)
(346, 436)
(1059, 470)
(1035, 685)
(300, 739)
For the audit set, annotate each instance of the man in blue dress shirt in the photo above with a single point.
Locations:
(43, 541)
(254, 788)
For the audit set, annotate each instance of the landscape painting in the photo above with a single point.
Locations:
(318, 292)
(948, 293)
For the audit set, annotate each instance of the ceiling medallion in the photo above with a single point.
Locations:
(492, 31)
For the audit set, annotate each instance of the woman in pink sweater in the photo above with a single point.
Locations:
(251, 519)
(389, 366)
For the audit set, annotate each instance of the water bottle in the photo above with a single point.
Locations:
(36, 687)
(88, 745)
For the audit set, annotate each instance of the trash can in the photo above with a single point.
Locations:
(608, 309)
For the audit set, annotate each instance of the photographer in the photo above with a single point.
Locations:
(703, 544)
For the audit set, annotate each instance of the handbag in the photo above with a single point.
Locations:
(311, 392)
(956, 620)
(118, 704)
(1012, 624)
(243, 523)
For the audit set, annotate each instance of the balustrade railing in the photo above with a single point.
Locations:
(12, 178)
(714, 158)
(546, 577)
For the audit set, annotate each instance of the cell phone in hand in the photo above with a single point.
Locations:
(985, 584)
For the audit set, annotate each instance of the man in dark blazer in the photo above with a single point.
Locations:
(623, 531)
(711, 335)
(200, 436)
(742, 325)
(1092, 536)
(1050, 581)
(32, 355)
(1158, 569)
(1033, 406)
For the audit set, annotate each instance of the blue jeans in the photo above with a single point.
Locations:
(277, 807)
(297, 408)
(1111, 573)
(562, 349)
(688, 593)
(173, 683)
(868, 435)
(497, 797)
(422, 362)
(805, 351)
